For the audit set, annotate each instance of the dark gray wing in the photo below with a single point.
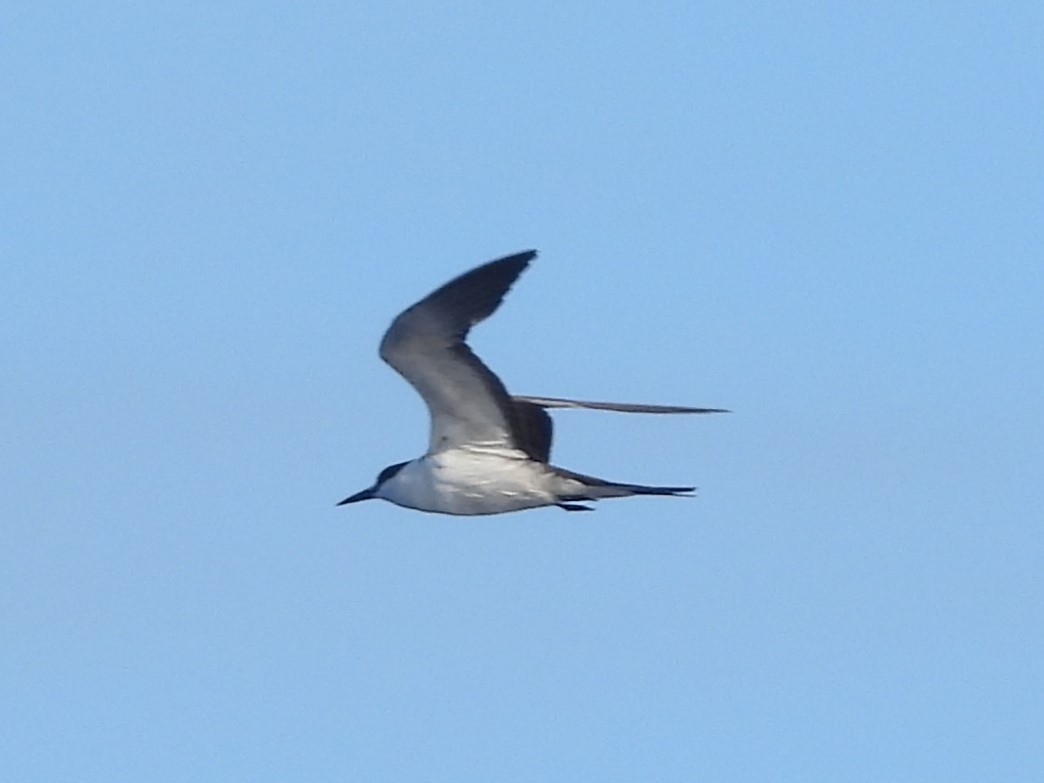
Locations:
(425, 344)
(533, 430)
(623, 407)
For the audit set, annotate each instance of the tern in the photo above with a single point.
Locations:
(488, 451)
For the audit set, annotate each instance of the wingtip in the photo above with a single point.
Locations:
(522, 257)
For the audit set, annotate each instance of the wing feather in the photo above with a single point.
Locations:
(622, 407)
(425, 344)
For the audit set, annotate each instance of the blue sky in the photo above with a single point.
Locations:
(826, 217)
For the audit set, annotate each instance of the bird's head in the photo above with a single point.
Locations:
(374, 492)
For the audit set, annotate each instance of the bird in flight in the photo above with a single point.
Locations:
(488, 451)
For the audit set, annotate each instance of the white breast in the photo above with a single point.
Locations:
(471, 481)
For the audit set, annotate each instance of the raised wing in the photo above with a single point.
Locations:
(623, 407)
(425, 344)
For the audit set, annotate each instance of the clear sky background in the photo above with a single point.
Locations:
(824, 216)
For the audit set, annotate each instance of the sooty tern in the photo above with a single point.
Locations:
(489, 451)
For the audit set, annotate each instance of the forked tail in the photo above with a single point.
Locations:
(611, 489)
(597, 489)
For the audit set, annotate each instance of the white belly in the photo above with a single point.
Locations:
(466, 481)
